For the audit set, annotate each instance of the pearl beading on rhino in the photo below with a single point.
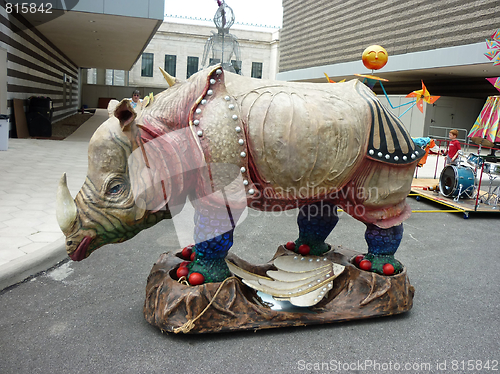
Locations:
(228, 142)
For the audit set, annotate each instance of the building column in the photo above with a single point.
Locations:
(101, 76)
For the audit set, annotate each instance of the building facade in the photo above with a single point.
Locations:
(178, 48)
(45, 48)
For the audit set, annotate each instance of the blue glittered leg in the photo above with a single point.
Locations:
(213, 237)
(316, 221)
(382, 245)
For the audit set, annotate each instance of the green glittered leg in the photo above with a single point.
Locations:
(382, 245)
(316, 221)
(213, 237)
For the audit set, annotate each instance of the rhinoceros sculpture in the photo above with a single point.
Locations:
(226, 142)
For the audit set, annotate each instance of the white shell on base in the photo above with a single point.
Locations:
(302, 280)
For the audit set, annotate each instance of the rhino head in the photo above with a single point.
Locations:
(105, 210)
(132, 180)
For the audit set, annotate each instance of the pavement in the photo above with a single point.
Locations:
(30, 238)
(86, 317)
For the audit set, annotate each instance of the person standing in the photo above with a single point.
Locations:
(136, 98)
(453, 148)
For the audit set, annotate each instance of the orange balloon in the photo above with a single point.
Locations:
(375, 57)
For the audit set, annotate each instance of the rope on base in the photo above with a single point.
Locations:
(189, 325)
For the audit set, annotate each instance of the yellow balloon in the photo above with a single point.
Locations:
(374, 57)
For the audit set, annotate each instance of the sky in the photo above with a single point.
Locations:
(262, 12)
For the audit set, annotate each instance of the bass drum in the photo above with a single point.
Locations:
(457, 180)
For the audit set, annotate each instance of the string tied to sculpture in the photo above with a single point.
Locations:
(189, 325)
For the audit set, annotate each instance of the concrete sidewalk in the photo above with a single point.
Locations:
(30, 238)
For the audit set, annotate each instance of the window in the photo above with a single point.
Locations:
(192, 66)
(213, 61)
(147, 65)
(170, 64)
(256, 69)
(236, 66)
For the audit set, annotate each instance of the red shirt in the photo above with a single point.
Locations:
(453, 148)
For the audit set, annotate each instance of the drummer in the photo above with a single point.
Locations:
(453, 148)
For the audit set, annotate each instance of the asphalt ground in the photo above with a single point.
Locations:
(86, 317)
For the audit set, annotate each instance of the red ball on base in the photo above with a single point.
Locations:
(388, 269)
(365, 265)
(304, 249)
(196, 279)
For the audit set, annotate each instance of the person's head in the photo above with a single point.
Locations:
(453, 134)
(136, 95)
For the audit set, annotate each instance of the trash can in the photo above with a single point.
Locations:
(39, 116)
(4, 132)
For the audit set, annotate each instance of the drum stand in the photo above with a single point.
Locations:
(461, 192)
(470, 188)
(491, 197)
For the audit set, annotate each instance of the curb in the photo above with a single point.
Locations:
(21, 268)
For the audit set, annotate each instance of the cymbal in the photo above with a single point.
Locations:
(482, 141)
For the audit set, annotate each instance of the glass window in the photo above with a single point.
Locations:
(213, 61)
(147, 65)
(192, 66)
(256, 69)
(170, 64)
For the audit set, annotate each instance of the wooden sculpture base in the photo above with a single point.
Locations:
(231, 305)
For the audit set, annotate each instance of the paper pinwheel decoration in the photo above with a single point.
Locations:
(495, 82)
(332, 81)
(493, 45)
(423, 95)
(371, 80)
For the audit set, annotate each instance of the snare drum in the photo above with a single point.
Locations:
(491, 168)
(474, 160)
(457, 180)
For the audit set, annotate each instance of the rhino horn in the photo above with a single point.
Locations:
(65, 206)
(170, 80)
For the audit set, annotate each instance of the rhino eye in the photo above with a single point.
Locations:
(116, 189)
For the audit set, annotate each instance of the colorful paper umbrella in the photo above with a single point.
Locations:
(486, 125)
(423, 95)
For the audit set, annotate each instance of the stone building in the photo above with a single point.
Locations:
(178, 48)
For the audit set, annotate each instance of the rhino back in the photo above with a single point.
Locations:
(307, 137)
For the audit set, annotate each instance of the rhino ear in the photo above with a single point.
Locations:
(125, 113)
(112, 106)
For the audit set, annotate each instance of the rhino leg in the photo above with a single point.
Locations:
(213, 237)
(382, 245)
(316, 221)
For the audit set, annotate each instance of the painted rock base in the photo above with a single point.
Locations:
(231, 305)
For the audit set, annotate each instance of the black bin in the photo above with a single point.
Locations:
(39, 116)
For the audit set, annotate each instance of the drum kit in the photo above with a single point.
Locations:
(462, 180)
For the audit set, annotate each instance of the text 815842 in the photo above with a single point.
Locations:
(24, 8)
